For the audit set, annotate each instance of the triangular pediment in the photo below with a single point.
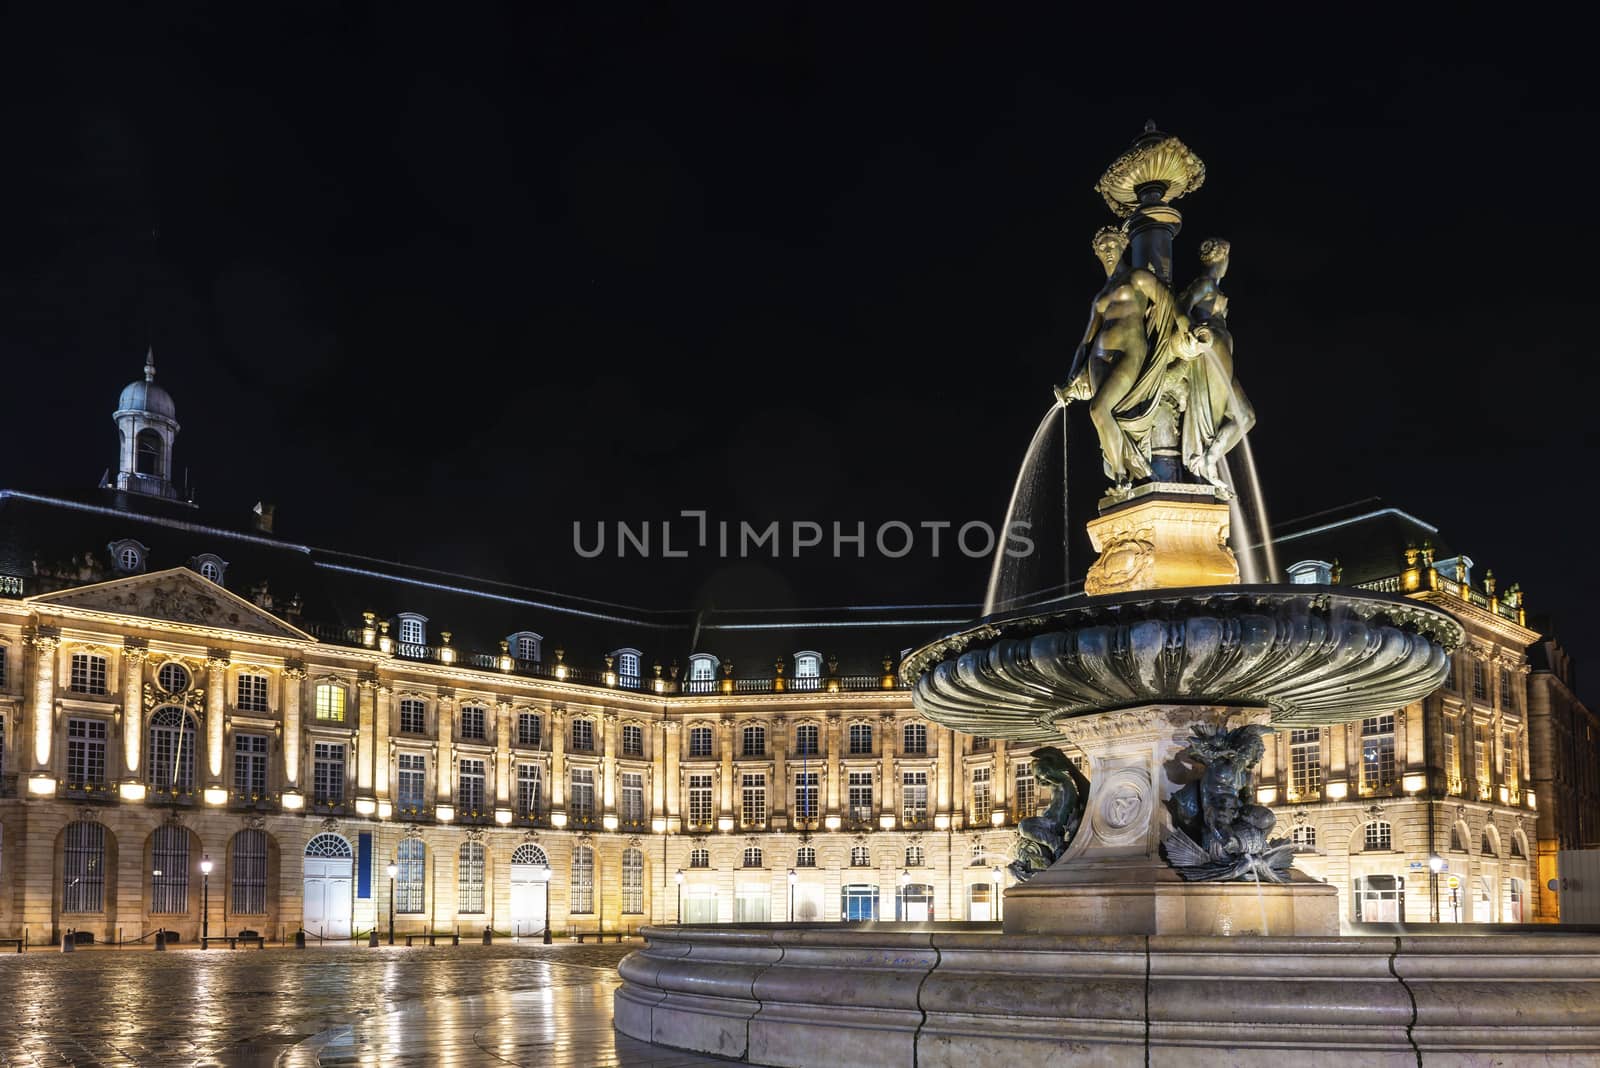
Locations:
(177, 597)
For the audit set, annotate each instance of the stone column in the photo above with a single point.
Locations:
(380, 748)
(444, 764)
(1001, 783)
(45, 641)
(887, 746)
(726, 808)
(658, 777)
(216, 709)
(945, 742)
(502, 754)
(365, 743)
(779, 793)
(294, 676)
(558, 759)
(608, 763)
(134, 654)
(832, 769)
(674, 735)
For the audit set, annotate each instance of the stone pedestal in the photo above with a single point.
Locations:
(1172, 535)
(1112, 878)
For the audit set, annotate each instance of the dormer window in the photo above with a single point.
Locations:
(627, 661)
(210, 566)
(413, 634)
(807, 670)
(128, 556)
(524, 646)
(702, 673)
(1311, 573)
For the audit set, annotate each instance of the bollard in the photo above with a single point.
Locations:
(300, 940)
(161, 939)
(372, 939)
(67, 945)
(488, 937)
(455, 939)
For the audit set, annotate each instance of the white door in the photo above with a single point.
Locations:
(808, 903)
(700, 906)
(327, 896)
(527, 898)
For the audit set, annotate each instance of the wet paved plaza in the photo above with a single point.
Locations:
(511, 1003)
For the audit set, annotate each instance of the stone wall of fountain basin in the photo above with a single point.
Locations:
(933, 995)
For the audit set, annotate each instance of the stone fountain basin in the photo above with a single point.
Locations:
(1312, 655)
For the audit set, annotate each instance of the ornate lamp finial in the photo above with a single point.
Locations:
(150, 364)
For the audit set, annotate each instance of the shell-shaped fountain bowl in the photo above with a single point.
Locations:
(1312, 656)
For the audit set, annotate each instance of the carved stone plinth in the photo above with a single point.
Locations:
(1162, 540)
(1112, 879)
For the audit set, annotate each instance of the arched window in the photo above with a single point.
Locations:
(469, 884)
(170, 761)
(632, 881)
(249, 872)
(1458, 839)
(860, 857)
(807, 665)
(915, 857)
(1489, 847)
(529, 853)
(173, 677)
(169, 869)
(752, 857)
(411, 865)
(1304, 837)
(1378, 836)
(149, 452)
(329, 845)
(582, 879)
(1518, 846)
(755, 741)
(413, 634)
(699, 858)
(524, 646)
(83, 868)
(805, 857)
(627, 661)
(129, 559)
(702, 674)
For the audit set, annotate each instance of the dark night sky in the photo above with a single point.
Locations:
(441, 283)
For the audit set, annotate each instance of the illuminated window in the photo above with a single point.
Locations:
(86, 752)
(1480, 756)
(861, 739)
(410, 872)
(1505, 689)
(699, 858)
(411, 778)
(981, 798)
(473, 719)
(252, 693)
(1377, 753)
(752, 857)
(699, 741)
(914, 796)
(1378, 836)
(700, 800)
(1452, 753)
(327, 773)
(805, 740)
(860, 797)
(413, 635)
(530, 730)
(1305, 762)
(470, 779)
(583, 735)
(755, 741)
(628, 669)
(413, 716)
(754, 798)
(524, 646)
(805, 857)
(807, 672)
(632, 811)
(632, 740)
(528, 789)
(1511, 762)
(1024, 799)
(1304, 838)
(632, 881)
(805, 795)
(914, 741)
(1479, 685)
(582, 880)
(88, 673)
(915, 857)
(580, 795)
(173, 678)
(860, 857)
(330, 702)
(170, 761)
(469, 880)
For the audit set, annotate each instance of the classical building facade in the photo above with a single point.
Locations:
(175, 688)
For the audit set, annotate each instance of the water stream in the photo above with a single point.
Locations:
(1007, 572)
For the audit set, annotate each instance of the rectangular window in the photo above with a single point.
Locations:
(1450, 676)
(86, 752)
(411, 777)
(1452, 754)
(1377, 753)
(700, 800)
(1510, 762)
(583, 735)
(1480, 757)
(330, 702)
(632, 797)
(632, 880)
(169, 870)
(250, 765)
(1505, 689)
(805, 740)
(861, 739)
(981, 798)
(528, 783)
(580, 799)
(470, 786)
(83, 867)
(252, 693)
(249, 868)
(1479, 684)
(1305, 763)
(916, 740)
(327, 772)
(699, 741)
(1024, 799)
(754, 809)
(582, 880)
(805, 795)
(632, 740)
(413, 716)
(472, 723)
(860, 798)
(88, 673)
(411, 862)
(755, 742)
(530, 730)
(470, 878)
(914, 796)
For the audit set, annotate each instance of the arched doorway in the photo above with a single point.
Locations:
(329, 866)
(530, 884)
(914, 903)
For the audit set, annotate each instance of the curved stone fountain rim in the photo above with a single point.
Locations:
(1418, 617)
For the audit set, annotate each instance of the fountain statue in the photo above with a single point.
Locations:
(1155, 917)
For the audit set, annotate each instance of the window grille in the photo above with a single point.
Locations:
(249, 872)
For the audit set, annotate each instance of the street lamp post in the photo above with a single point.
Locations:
(547, 874)
(905, 881)
(995, 871)
(679, 878)
(393, 871)
(205, 899)
(793, 878)
(1435, 866)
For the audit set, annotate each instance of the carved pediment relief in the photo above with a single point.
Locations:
(176, 596)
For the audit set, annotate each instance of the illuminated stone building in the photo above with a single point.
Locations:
(1564, 744)
(175, 686)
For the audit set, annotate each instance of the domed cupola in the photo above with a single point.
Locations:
(147, 422)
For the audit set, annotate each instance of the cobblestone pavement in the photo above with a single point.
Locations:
(516, 1003)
